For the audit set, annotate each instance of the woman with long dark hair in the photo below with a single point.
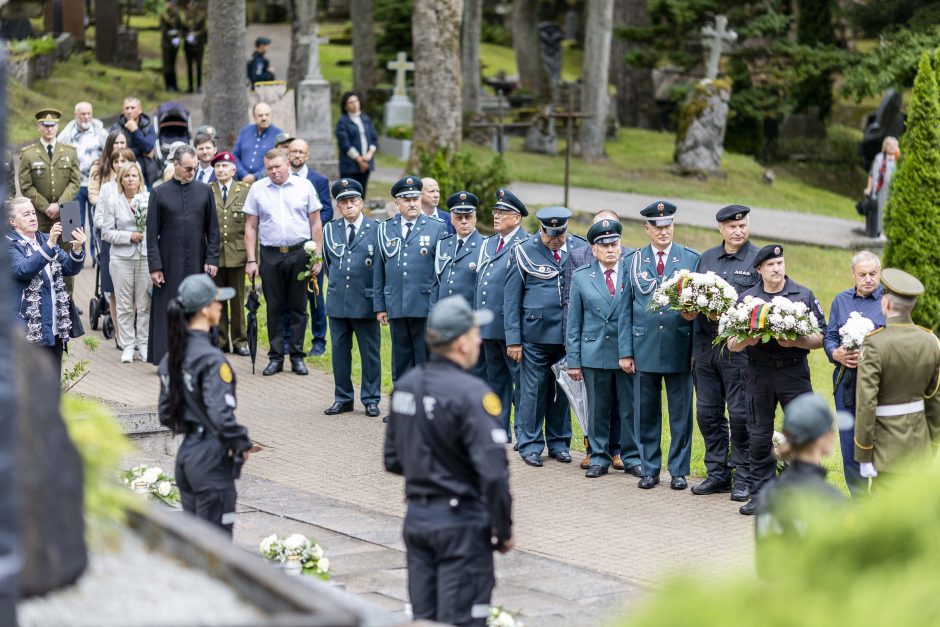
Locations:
(197, 399)
(356, 138)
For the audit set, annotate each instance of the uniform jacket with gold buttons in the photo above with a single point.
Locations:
(231, 223)
(46, 181)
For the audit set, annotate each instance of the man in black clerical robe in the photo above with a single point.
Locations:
(182, 239)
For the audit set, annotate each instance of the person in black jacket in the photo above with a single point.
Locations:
(197, 398)
(259, 68)
(444, 437)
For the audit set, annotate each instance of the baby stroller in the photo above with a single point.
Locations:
(174, 124)
(98, 308)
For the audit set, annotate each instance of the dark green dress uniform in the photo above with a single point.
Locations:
(194, 44)
(46, 179)
(228, 206)
(897, 407)
(171, 36)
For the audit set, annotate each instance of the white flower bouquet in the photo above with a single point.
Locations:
(705, 293)
(854, 331)
(153, 482)
(296, 549)
(780, 319)
(139, 204)
(501, 617)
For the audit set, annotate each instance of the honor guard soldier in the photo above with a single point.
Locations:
(533, 321)
(660, 341)
(495, 259)
(350, 248)
(403, 275)
(444, 438)
(48, 170)
(229, 201)
(897, 408)
(777, 371)
(595, 351)
(719, 373)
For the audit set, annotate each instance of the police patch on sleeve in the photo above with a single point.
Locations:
(225, 372)
(492, 404)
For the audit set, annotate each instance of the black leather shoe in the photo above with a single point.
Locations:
(298, 366)
(563, 456)
(636, 471)
(741, 494)
(319, 348)
(595, 471)
(712, 486)
(385, 419)
(749, 508)
(372, 410)
(338, 408)
(241, 350)
(678, 483)
(647, 483)
(533, 459)
(274, 366)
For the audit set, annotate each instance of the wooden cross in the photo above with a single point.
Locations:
(714, 39)
(313, 43)
(401, 65)
(570, 115)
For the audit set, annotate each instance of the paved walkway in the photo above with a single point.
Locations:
(585, 547)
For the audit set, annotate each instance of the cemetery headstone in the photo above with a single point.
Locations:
(399, 111)
(550, 38)
(886, 121)
(314, 108)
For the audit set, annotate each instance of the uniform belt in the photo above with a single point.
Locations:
(285, 249)
(778, 363)
(900, 409)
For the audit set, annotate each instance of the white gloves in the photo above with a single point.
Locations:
(175, 42)
(867, 470)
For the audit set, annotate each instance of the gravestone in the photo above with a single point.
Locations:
(886, 121)
(400, 111)
(715, 39)
(550, 38)
(314, 108)
(540, 137)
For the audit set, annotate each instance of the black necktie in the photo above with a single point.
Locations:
(202, 176)
(352, 234)
(224, 195)
(407, 229)
(49, 150)
(459, 246)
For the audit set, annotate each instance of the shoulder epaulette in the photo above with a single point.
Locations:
(580, 268)
(25, 148)
(434, 217)
(448, 236)
(924, 329)
(878, 330)
(692, 250)
(577, 237)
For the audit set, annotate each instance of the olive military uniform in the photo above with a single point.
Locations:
(232, 262)
(46, 180)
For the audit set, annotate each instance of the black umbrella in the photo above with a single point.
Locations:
(252, 303)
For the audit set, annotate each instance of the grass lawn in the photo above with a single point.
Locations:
(825, 271)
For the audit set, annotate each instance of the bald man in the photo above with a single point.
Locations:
(253, 141)
(430, 196)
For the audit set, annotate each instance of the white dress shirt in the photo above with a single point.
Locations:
(283, 210)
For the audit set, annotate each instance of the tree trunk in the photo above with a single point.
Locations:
(303, 16)
(525, 42)
(363, 43)
(595, 71)
(226, 102)
(470, 51)
(436, 36)
(636, 100)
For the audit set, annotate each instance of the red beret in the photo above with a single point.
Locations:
(224, 156)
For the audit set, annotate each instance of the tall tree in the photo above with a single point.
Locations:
(912, 217)
(636, 100)
(436, 37)
(595, 97)
(226, 102)
(814, 29)
(303, 16)
(470, 52)
(363, 43)
(525, 42)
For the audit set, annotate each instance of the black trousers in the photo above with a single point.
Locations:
(409, 348)
(169, 66)
(369, 339)
(450, 564)
(502, 373)
(764, 387)
(204, 477)
(361, 177)
(284, 293)
(193, 62)
(719, 381)
(56, 351)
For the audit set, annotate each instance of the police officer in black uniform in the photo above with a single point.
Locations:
(444, 437)
(197, 398)
(718, 373)
(777, 371)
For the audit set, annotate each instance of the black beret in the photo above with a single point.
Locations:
(732, 212)
(770, 251)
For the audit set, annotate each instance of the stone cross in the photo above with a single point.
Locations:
(401, 65)
(313, 43)
(714, 39)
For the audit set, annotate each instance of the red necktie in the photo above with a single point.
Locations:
(660, 265)
(500, 247)
(610, 282)
(557, 256)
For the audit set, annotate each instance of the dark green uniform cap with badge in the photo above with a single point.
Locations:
(463, 202)
(282, 138)
(660, 213)
(48, 117)
(451, 317)
(732, 212)
(554, 220)
(507, 201)
(346, 188)
(901, 283)
(604, 232)
(808, 416)
(198, 290)
(770, 251)
(407, 187)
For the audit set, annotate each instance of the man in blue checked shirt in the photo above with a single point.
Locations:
(253, 141)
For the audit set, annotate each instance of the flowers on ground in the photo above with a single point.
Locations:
(501, 617)
(296, 549)
(153, 481)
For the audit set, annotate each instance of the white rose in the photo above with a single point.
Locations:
(295, 541)
(789, 321)
(323, 565)
(316, 552)
(267, 544)
(310, 246)
(164, 488)
(701, 301)
(152, 474)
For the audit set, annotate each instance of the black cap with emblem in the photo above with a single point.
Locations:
(732, 212)
(345, 188)
(407, 187)
(604, 232)
(770, 251)
(660, 213)
(507, 201)
(554, 220)
(463, 202)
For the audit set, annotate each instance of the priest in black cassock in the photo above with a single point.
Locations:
(182, 239)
